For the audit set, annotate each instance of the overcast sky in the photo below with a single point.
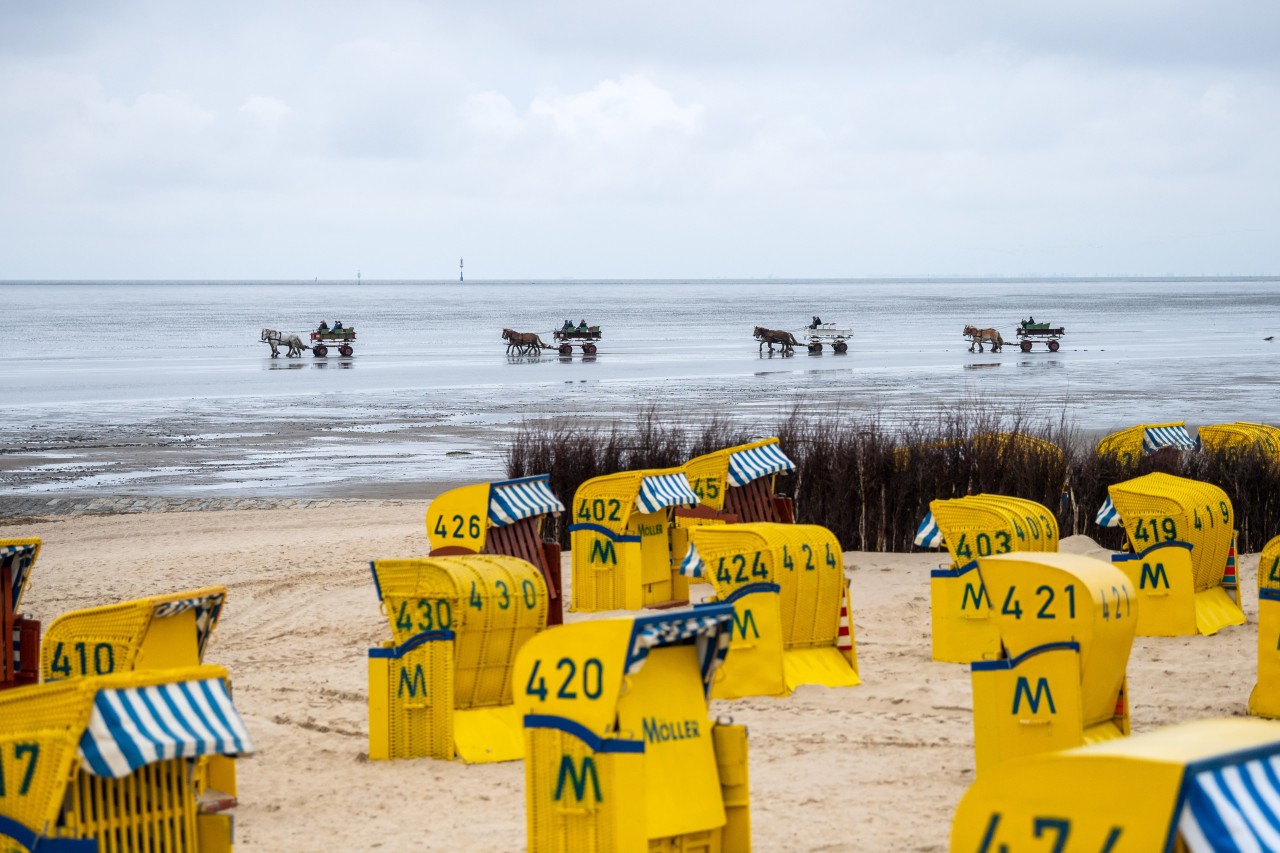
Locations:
(655, 139)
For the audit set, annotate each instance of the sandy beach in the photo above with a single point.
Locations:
(877, 767)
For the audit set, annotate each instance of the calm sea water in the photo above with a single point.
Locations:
(91, 368)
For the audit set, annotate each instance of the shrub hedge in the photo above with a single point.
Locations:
(870, 480)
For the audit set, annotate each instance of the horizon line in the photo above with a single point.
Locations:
(892, 279)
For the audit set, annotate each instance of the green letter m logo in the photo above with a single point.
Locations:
(412, 682)
(977, 593)
(602, 552)
(579, 782)
(1033, 700)
(748, 621)
(1156, 575)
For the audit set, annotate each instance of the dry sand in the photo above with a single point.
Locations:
(873, 768)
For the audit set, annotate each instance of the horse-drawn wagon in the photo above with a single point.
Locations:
(339, 337)
(819, 333)
(581, 335)
(1029, 331)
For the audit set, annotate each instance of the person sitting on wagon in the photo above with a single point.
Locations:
(568, 326)
(582, 326)
(337, 325)
(324, 326)
(817, 321)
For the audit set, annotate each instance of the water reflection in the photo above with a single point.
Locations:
(1050, 363)
(318, 363)
(779, 353)
(982, 365)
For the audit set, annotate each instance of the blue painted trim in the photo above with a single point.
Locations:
(1122, 558)
(37, 843)
(582, 733)
(954, 573)
(1269, 594)
(596, 528)
(1014, 663)
(410, 644)
(373, 568)
(750, 589)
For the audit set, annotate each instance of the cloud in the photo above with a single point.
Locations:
(637, 139)
(268, 112)
(616, 110)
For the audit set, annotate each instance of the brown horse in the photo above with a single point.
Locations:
(784, 339)
(523, 343)
(979, 336)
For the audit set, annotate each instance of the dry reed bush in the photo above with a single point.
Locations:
(870, 480)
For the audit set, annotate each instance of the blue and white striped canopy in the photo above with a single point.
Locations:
(928, 534)
(748, 465)
(660, 491)
(1108, 516)
(1233, 808)
(709, 626)
(692, 566)
(206, 607)
(136, 726)
(1171, 436)
(512, 500)
(19, 558)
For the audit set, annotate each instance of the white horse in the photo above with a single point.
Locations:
(275, 339)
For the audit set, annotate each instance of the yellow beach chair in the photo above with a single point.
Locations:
(1200, 786)
(1182, 534)
(973, 527)
(1066, 627)
(740, 480)
(792, 622)
(441, 688)
(622, 540)
(621, 752)
(19, 636)
(159, 632)
(1264, 701)
(1129, 444)
(505, 517)
(108, 761)
(1240, 435)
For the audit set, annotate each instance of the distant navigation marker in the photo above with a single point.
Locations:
(357, 276)
(460, 278)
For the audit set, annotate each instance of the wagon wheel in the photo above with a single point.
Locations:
(589, 349)
(840, 346)
(815, 346)
(345, 350)
(1025, 346)
(566, 349)
(320, 351)
(1053, 346)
